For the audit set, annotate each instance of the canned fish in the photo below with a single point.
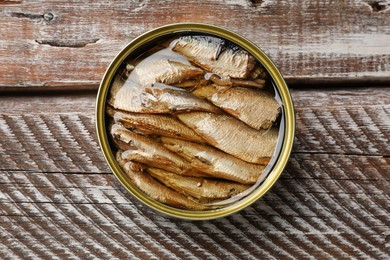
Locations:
(194, 120)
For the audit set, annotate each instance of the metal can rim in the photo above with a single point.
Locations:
(245, 44)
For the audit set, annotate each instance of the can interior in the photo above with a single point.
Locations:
(286, 128)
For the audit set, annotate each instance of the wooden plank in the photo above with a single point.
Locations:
(59, 200)
(58, 133)
(350, 130)
(38, 187)
(301, 166)
(57, 43)
(80, 215)
(64, 102)
(337, 167)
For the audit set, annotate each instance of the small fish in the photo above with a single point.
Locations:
(214, 162)
(201, 188)
(215, 55)
(164, 66)
(233, 136)
(154, 125)
(227, 81)
(155, 189)
(192, 83)
(259, 72)
(162, 99)
(146, 86)
(157, 98)
(258, 109)
(255, 83)
(147, 151)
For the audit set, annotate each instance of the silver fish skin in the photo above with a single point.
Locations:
(214, 162)
(169, 100)
(154, 124)
(155, 189)
(155, 99)
(144, 150)
(202, 189)
(257, 108)
(192, 83)
(214, 55)
(233, 136)
(227, 81)
(164, 67)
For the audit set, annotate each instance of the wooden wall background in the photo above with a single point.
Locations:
(70, 43)
(58, 198)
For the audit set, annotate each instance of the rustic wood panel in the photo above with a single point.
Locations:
(65, 215)
(84, 102)
(53, 143)
(59, 135)
(59, 200)
(328, 126)
(58, 43)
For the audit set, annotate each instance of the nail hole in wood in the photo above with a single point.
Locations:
(378, 6)
(256, 2)
(48, 16)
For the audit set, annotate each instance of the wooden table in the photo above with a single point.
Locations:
(58, 198)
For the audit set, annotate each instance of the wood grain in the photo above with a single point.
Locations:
(55, 138)
(81, 216)
(54, 43)
(58, 198)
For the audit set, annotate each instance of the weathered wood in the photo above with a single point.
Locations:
(58, 133)
(350, 130)
(84, 102)
(58, 198)
(56, 43)
(84, 215)
(67, 188)
(338, 167)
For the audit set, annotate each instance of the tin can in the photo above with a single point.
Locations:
(272, 172)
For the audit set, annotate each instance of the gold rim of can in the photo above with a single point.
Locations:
(170, 30)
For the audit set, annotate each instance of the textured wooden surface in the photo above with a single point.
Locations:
(59, 200)
(58, 197)
(57, 43)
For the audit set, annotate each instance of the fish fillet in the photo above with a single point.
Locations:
(154, 125)
(147, 151)
(233, 136)
(214, 162)
(256, 108)
(155, 189)
(215, 55)
(200, 188)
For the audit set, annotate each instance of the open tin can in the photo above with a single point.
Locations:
(285, 122)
